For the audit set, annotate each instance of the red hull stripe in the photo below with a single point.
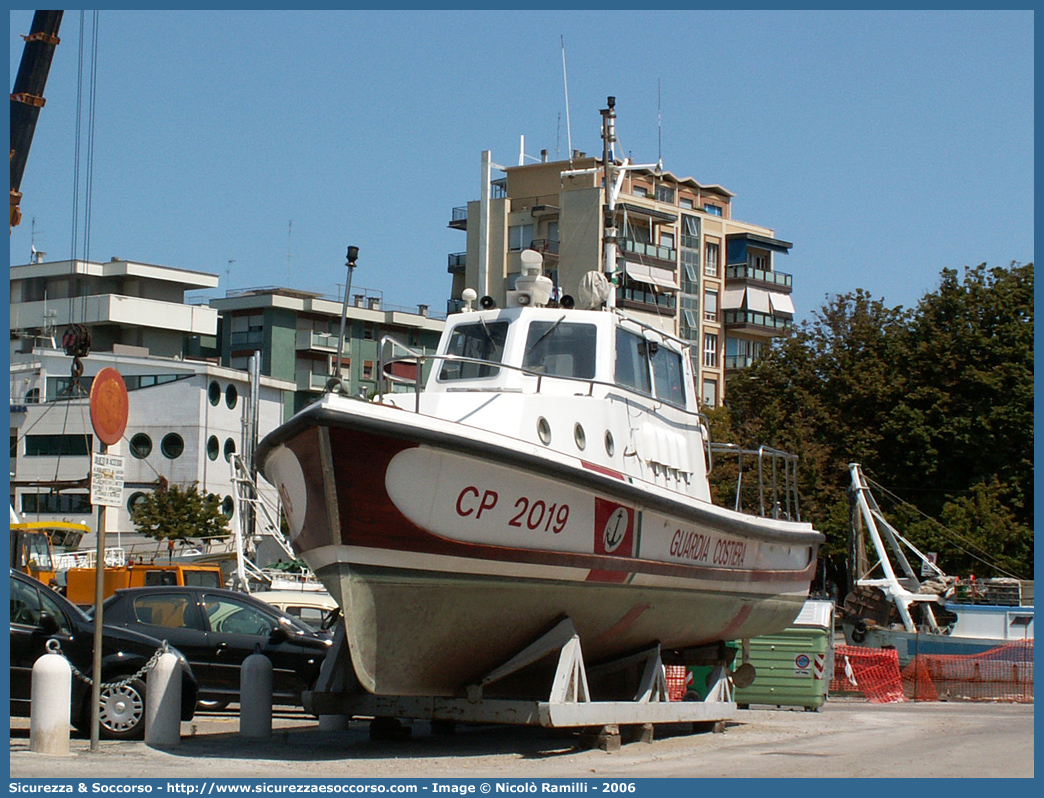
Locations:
(603, 470)
(618, 577)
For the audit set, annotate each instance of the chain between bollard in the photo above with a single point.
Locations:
(57, 649)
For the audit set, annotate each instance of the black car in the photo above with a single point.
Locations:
(218, 629)
(39, 614)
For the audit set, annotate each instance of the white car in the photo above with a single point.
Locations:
(315, 608)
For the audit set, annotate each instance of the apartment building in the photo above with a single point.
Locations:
(685, 265)
(296, 334)
(186, 417)
(186, 370)
(127, 306)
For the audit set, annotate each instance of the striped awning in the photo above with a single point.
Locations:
(652, 275)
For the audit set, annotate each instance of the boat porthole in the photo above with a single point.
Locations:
(610, 444)
(579, 436)
(544, 431)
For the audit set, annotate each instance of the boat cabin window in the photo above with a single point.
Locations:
(633, 356)
(670, 380)
(482, 341)
(561, 350)
(632, 368)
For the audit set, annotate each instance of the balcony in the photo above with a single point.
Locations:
(666, 254)
(459, 218)
(457, 262)
(309, 341)
(760, 322)
(640, 298)
(737, 362)
(744, 271)
(545, 246)
(310, 381)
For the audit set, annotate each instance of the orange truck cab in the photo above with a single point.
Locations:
(79, 582)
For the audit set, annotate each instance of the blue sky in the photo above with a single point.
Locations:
(886, 145)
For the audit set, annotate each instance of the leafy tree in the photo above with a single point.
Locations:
(180, 514)
(935, 403)
(973, 354)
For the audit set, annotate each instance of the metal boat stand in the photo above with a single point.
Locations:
(569, 703)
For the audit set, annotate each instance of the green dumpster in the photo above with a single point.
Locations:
(793, 667)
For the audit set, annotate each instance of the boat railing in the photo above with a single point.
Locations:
(256, 516)
(777, 489)
(418, 359)
(114, 557)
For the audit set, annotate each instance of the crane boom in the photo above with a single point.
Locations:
(27, 96)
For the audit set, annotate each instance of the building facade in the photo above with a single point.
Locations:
(296, 334)
(185, 421)
(685, 265)
(136, 307)
(186, 416)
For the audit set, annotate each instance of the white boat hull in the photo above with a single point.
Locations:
(449, 553)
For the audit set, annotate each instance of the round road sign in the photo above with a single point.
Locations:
(109, 406)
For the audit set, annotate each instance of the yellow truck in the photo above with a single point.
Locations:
(33, 552)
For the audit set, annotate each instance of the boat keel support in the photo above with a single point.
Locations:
(569, 703)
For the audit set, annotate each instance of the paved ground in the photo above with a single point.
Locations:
(844, 739)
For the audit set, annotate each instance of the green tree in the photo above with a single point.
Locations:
(936, 404)
(180, 514)
(973, 358)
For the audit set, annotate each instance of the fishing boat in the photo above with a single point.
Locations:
(553, 464)
(931, 613)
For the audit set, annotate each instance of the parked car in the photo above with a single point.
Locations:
(316, 608)
(39, 614)
(217, 629)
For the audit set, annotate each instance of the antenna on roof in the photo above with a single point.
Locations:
(289, 238)
(565, 80)
(659, 130)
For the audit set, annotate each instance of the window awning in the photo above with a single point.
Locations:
(763, 242)
(781, 303)
(652, 213)
(733, 298)
(653, 275)
(758, 300)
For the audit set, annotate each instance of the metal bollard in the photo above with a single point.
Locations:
(163, 703)
(255, 696)
(50, 697)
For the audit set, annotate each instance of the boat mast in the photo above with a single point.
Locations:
(609, 165)
(614, 177)
(900, 595)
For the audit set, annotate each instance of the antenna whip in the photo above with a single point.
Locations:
(565, 80)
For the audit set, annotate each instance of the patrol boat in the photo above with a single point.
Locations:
(553, 465)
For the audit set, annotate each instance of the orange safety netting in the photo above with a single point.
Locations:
(874, 672)
(1004, 673)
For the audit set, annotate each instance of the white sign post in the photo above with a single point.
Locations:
(106, 480)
